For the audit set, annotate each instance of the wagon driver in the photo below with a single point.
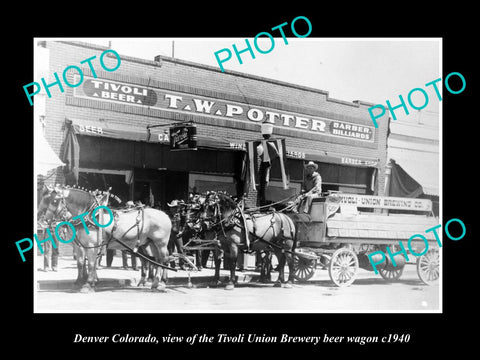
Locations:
(312, 187)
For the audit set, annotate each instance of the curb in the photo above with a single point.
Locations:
(202, 281)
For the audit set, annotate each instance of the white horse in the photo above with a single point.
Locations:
(145, 228)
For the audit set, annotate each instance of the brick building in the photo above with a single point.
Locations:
(108, 115)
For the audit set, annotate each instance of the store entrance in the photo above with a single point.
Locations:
(176, 185)
(157, 187)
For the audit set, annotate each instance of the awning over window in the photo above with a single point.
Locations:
(409, 180)
(125, 132)
(158, 135)
(331, 158)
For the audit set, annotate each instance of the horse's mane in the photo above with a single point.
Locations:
(85, 196)
(226, 202)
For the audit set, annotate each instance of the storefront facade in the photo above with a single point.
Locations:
(107, 117)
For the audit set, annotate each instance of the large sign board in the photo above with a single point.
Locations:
(180, 102)
(383, 202)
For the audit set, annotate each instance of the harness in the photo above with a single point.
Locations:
(87, 220)
(139, 219)
(239, 218)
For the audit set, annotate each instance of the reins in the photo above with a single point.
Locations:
(239, 210)
(76, 223)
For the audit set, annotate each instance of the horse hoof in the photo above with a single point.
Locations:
(86, 289)
(215, 283)
(230, 286)
(287, 285)
(277, 284)
(161, 287)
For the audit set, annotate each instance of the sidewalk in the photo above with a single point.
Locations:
(117, 277)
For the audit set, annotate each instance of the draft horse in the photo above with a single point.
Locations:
(270, 231)
(145, 228)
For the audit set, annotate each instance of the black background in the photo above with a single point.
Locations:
(52, 334)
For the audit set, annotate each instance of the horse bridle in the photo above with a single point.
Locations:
(65, 211)
(56, 216)
(238, 222)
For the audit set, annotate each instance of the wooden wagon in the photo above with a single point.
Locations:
(341, 230)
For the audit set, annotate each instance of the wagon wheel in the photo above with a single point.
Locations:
(391, 273)
(304, 267)
(343, 267)
(428, 267)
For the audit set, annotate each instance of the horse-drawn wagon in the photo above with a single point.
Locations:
(335, 235)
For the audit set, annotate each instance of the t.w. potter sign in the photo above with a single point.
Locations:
(113, 91)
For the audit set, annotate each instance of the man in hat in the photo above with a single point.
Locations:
(176, 210)
(312, 186)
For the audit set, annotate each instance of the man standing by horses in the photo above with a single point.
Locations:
(177, 218)
(312, 186)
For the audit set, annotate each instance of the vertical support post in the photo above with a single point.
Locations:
(388, 174)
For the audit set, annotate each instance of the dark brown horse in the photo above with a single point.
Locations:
(272, 231)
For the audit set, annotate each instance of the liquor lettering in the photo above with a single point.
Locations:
(136, 95)
(119, 92)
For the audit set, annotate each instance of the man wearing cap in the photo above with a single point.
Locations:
(312, 186)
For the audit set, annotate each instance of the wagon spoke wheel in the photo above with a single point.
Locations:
(343, 267)
(428, 267)
(304, 268)
(391, 274)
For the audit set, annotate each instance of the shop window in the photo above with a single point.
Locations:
(153, 155)
(328, 172)
(200, 183)
(294, 169)
(202, 160)
(102, 180)
(106, 153)
(275, 192)
(345, 175)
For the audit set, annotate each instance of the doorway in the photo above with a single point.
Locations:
(157, 187)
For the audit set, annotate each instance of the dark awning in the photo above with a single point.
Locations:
(133, 133)
(402, 184)
(101, 128)
(332, 158)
